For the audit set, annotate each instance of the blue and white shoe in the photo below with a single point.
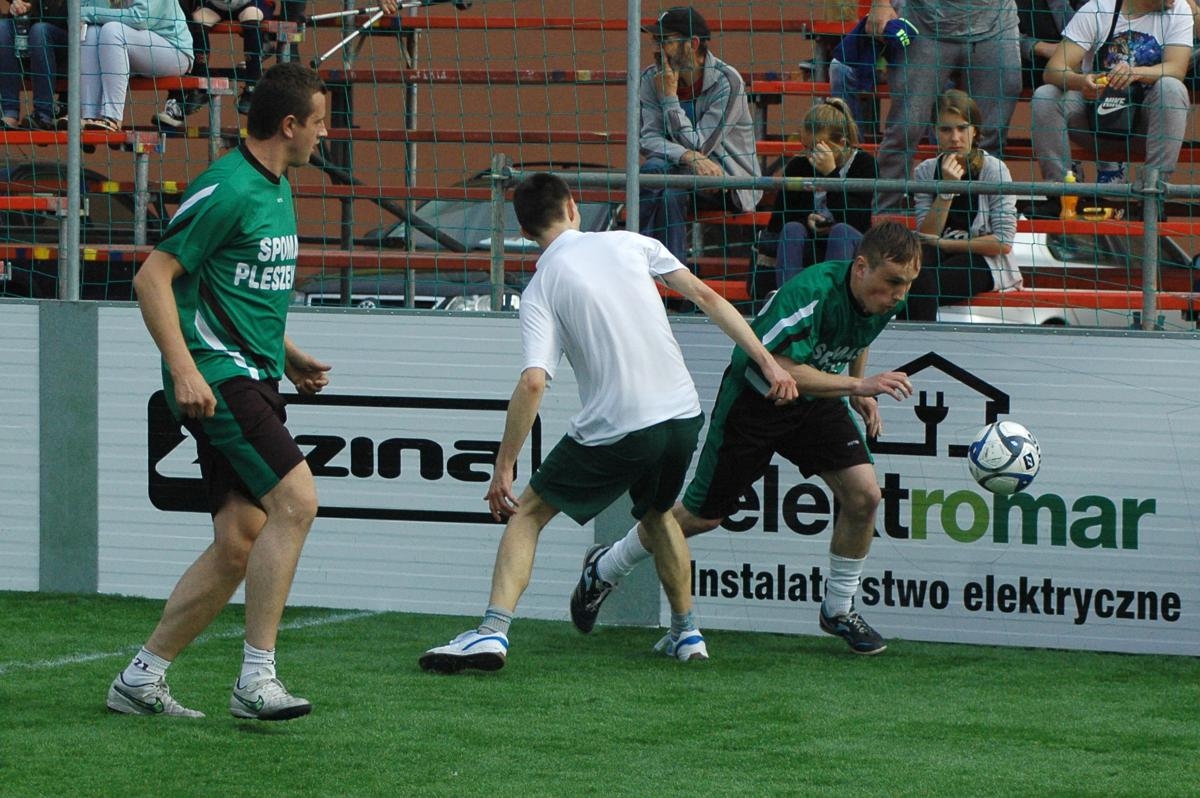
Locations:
(1115, 173)
(483, 652)
(590, 592)
(686, 647)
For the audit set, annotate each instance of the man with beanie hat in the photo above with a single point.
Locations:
(695, 119)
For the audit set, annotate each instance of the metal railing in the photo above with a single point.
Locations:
(1148, 189)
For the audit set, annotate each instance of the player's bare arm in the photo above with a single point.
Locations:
(308, 374)
(156, 300)
(820, 384)
(867, 407)
(716, 307)
(522, 410)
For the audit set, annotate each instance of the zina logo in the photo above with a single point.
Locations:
(925, 500)
(375, 457)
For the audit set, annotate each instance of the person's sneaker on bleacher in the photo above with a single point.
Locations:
(152, 698)
(685, 647)
(243, 103)
(591, 591)
(854, 629)
(37, 121)
(484, 652)
(1110, 172)
(171, 115)
(267, 699)
(194, 100)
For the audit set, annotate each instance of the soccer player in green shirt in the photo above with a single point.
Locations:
(214, 295)
(817, 324)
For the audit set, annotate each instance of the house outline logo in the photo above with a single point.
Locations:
(996, 404)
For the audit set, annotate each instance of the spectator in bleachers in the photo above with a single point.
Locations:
(249, 14)
(809, 227)
(1042, 23)
(181, 103)
(695, 119)
(966, 238)
(47, 47)
(141, 37)
(978, 39)
(1151, 46)
(853, 63)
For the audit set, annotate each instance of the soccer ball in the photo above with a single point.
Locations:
(1004, 457)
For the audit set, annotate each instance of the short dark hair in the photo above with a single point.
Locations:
(539, 200)
(889, 240)
(285, 90)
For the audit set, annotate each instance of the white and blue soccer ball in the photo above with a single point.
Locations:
(1004, 457)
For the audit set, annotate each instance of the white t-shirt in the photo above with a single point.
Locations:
(1140, 41)
(593, 298)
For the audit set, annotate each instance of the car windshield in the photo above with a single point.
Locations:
(471, 223)
(1118, 251)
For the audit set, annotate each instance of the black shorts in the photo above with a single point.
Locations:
(245, 447)
(816, 435)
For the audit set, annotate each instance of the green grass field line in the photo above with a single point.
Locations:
(575, 715)
(228, 634)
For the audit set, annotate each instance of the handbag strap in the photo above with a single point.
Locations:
(1113, 27)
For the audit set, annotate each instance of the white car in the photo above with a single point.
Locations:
(1084, 280)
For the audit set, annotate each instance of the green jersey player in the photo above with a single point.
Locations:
(214, 295)
(819, 324)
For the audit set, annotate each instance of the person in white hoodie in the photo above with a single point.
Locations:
(967, 238)
(131, 37)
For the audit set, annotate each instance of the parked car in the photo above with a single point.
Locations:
(467, 221)
(386, 289)
(1085, 262)
(107, 220)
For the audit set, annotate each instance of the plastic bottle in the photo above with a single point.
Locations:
(21, 35)
(1068, 201)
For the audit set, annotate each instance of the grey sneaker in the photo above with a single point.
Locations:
(146, 699)
(171, 115)
(591, 591)
(266, 700)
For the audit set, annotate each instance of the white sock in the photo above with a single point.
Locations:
(841, 584)
(622, 558)
(145, 668)
(257, 665)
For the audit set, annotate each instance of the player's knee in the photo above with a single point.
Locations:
(233, 545)
(863, 502)
(294, 507)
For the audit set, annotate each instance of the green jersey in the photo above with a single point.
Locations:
(814, 320)
(235, 235)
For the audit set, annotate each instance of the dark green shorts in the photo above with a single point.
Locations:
(245, 447)
(651, 464)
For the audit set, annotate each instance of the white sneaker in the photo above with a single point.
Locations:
(469, 650)
(146, 699)
(687, 647)
(267, 699)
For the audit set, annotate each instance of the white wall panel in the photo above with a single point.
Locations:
(1116, 416)
(19, 460)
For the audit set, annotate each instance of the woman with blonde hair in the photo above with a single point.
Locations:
(809, 226)
(966, 238)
